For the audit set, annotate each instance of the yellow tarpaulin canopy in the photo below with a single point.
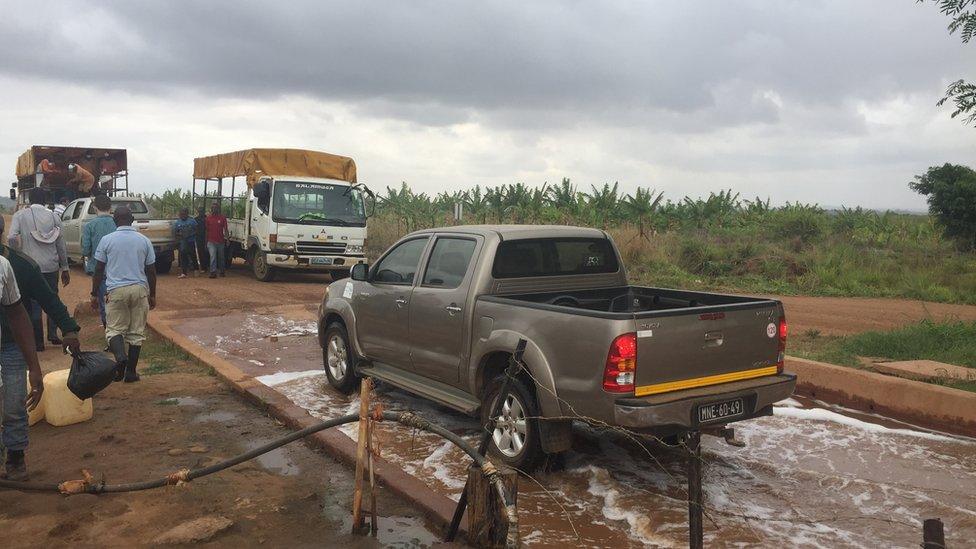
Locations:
(254, 163)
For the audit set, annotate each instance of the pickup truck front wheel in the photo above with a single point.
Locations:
(339, 359)
(515, 436)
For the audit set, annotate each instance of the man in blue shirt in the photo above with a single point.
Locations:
(126, 261)
(186, 229)
(91, 235)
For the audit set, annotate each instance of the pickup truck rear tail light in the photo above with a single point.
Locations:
(781, 357)
(621, 367)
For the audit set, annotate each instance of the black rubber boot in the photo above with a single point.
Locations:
(117, 346)
(131, 375)
(15, 468)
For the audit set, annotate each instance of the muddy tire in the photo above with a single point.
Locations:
(515, 438)
(339, 360)
(164, 267)
(259, 265)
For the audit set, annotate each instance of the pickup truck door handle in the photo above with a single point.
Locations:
(400, 302)
(452, 309)
(714, 339)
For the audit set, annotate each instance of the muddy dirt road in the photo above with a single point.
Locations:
(179, 416)
(810, 476)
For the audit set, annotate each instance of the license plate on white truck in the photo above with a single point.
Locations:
(321, 261)
(720, 410)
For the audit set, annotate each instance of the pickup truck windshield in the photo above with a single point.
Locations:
(554, 257)
(317, 204)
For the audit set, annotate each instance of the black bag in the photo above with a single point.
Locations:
(91, 371)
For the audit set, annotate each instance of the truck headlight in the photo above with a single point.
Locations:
(285, 247)
(354, 248)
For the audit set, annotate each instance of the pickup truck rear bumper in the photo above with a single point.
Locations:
(677, 411)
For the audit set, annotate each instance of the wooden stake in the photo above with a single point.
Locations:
(365, 390)
(374, 527)
(487, 523)
(933, 534)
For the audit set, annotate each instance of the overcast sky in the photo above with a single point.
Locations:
(815, 101)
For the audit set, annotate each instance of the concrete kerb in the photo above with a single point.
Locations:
(438, 508)
(923, 404)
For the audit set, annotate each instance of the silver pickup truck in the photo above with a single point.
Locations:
(441, 311)
(158, 231)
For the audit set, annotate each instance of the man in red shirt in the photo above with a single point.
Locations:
(216, 240)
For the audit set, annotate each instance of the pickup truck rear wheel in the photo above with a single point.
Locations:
(515, 436)
(339, 359)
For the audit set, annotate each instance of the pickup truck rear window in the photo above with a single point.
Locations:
(554, 257)
(135, 206)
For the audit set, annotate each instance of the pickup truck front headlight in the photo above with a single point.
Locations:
(354, 249)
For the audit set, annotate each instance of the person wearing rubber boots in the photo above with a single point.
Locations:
(126, 261)
(16, 364)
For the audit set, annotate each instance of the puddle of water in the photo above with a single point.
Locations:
(276, 461)
(810, 476)
(218, 416)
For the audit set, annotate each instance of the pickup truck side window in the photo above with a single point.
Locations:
(400, 265)
(448, 262)
(78, 210)
(554, 257)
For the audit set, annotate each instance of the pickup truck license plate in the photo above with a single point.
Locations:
(719, 410)
(321, 261)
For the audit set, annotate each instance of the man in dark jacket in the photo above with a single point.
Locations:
(13, 363)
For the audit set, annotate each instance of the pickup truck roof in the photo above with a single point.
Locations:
(520, 232)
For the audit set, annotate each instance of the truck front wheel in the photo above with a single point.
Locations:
(259, 264)
(339, 359)
(515, 437)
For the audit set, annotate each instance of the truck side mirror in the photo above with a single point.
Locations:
(13, 194)
(359, 271)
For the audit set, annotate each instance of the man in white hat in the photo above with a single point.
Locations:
(37, 232)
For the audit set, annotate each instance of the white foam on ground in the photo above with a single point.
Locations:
(278, 378)
(789, 403)
(819, 414)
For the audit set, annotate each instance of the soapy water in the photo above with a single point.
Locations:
(811, 475)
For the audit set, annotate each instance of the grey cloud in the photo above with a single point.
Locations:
(550, 62)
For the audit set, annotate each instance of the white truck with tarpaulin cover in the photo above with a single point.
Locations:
(297, 209)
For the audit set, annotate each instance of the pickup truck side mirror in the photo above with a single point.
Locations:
(13, 194)
(359, 271)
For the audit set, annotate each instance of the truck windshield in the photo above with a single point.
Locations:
(318, 204)
(554, 257)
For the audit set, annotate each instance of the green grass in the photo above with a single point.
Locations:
(949, 342)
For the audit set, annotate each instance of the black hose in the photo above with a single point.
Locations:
(404, 418)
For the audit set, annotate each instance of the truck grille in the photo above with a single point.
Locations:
(320, 248)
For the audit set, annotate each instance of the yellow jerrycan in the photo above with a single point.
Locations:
(61, 406)
(37, 414)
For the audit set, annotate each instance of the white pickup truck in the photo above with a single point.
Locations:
(159, 231)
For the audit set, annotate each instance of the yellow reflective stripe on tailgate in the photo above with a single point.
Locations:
(703, 381)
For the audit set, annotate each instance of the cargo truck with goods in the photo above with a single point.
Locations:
(298, 210)
(59, 171)
(440, 313)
